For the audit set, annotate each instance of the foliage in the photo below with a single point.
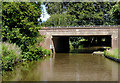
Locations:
(19, 23)
(34, 53)
(75, 41)
(20, 26)
(84, 13)
(88, 41)
(115, 14)
(11, 54)
(113, 53)
(81, 13)
(58, 20)
(46, 52)
(56, 7)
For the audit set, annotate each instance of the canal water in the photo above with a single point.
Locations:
(66, 67)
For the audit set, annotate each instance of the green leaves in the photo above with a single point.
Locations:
(35, 53)
(82, 13)
(19, 26)
(113, 53)
(115, 14)
(11, 54)
(19, 21)
(59, 20)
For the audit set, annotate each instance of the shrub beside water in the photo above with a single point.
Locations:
(11, 54)
(46, 52)
(34, 53)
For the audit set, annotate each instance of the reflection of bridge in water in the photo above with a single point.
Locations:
(59, 37)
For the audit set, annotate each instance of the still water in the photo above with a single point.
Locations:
(66, 67)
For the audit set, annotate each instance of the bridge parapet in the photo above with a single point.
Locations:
(84, 27)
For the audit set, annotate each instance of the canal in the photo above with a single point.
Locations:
(65, 67)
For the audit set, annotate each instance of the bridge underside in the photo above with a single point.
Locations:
(61, 43)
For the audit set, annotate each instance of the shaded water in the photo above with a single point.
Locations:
(66, 67)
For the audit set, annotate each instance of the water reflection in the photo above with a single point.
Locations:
(66, 67)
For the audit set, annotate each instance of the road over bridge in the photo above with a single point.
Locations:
(58, 37)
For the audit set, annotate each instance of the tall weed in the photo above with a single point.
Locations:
(11, 54)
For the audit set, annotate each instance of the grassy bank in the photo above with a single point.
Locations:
(113, 53)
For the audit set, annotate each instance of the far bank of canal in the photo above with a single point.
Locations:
(66, 67)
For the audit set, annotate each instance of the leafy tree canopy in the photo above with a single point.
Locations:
(19, 23)
(115, 14)
(81, 13)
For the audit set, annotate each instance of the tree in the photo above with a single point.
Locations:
(57, 11)
(115, 14)
(82, 13)
(90, 13)
(19, 23)
(58, 20)
(56, 7)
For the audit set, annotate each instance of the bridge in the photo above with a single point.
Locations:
(59, 37)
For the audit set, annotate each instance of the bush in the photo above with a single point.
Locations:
(11, 54)
(35, 53)
(46, 52)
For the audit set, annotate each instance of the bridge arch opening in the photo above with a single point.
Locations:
(62, 44)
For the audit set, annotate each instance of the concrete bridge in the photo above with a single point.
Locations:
(59, 37)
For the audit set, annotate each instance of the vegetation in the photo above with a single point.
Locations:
(19, 23)
(20, 27)
(11, 54)
(80, 42)
(113, 53)
(115, 14)
(58, 20)
(35, 53)
(75, 42)
(83, 13)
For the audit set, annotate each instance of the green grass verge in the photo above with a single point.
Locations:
(113, 53)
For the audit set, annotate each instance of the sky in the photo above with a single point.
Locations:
(44, 15)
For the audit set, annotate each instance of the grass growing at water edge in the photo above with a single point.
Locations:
(113, 53)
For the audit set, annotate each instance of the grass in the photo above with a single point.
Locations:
(113, 53)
